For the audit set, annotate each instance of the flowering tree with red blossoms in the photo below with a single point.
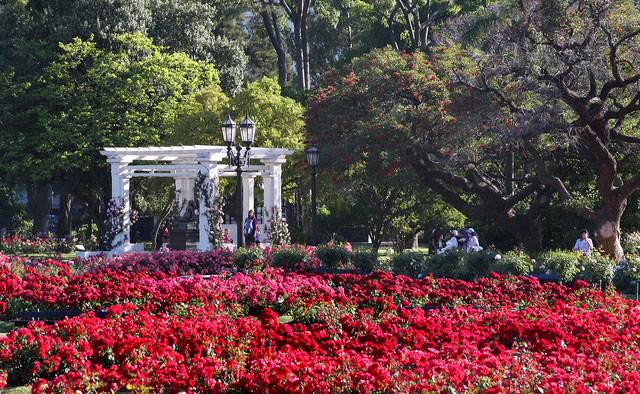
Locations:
(568, 73)
(392, 111)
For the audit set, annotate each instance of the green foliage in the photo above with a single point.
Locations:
(380, 100)
(449, 264)
(23, 227)
(322, 312)
(627, 275)
(277, 231)
(189, 27)
(410, 263)
(379, 107)
(564, 263)
(279, 121)
(597, 268)
(515, 262)
(291, 258)
(478, 264)
(332, 256)
(89, 98)
(64, 20)
(365, 260)
(631, 243)
(248, 259)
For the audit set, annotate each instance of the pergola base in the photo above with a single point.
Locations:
(126, 248)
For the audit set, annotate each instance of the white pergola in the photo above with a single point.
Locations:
(184, 163)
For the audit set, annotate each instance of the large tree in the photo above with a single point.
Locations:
(397, 111)
(279, 124)
(568, 73)
(190, 27)
(56, 122)
(297, 12)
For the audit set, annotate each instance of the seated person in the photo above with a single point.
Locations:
(452, 243)
(225, 237)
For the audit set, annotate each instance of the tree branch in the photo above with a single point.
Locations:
(625, 110)
(629, 187)
(618, 81)
(556, 183)
(616, 135)
(488, 89)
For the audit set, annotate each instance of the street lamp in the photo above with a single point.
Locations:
(239, 159)
(313, 156)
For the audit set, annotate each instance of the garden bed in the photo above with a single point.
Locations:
(272, 331)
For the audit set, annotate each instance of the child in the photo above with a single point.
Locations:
(225, 237)
(257, 236)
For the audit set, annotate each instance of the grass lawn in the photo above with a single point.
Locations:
(16, 390)
(5, 327)
(64, 256)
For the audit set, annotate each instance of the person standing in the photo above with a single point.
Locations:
(440, 243)
(584, 244)
(250, 229)
(462, 238)
(437, 240)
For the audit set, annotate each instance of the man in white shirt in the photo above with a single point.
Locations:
(584, 244)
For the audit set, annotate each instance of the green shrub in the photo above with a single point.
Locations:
(597, 268)
(332, 256)
(514, 262)
(628, 275)
(248, 259)
(365, 260)
(446, 265)
(631, 243)
(23, 228)
(478, 264)
(564, 263)
(410, 263)
(291, 258)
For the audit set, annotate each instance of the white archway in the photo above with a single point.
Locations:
(184, 163)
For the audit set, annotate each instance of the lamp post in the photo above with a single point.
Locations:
(313, 156)
(239, 159)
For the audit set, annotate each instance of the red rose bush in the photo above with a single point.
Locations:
(277, 332)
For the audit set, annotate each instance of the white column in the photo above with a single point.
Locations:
(126, 219)
(210, 169)
(276, 185)
(184, 186)
(120, 190)
(248, 184)
(267, 182)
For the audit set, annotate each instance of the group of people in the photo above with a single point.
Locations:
(251, 231)
(464, 240)
(467, 240)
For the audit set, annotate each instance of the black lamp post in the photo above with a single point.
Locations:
(313, 156)
(239, 159)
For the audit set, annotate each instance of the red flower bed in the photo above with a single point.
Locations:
(300, 333)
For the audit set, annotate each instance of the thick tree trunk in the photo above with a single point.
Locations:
(42, 202)
(270, 20)
(64, 218)
(607, 231)
(526, 229)
(376, 238)
(299, 53)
